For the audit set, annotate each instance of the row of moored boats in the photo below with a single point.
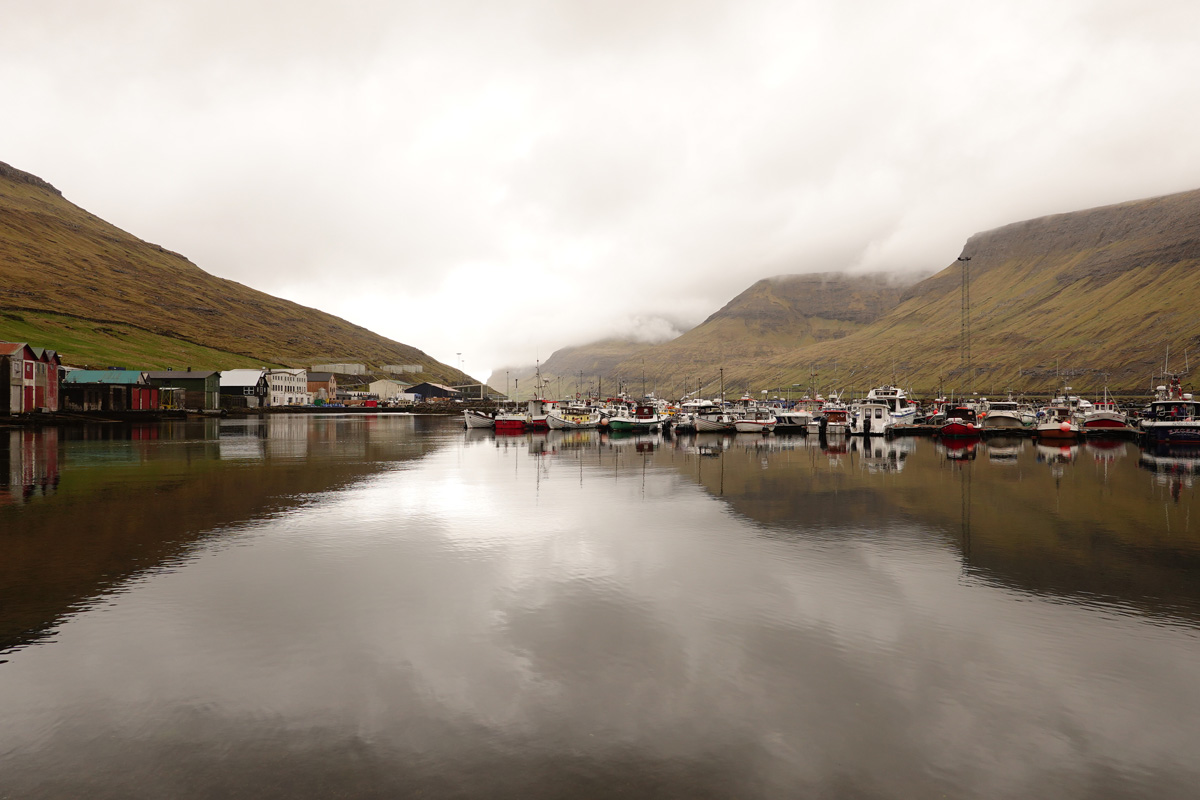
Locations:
(1172, 416)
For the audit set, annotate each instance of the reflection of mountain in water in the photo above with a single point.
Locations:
(116, 501)
(1078, 520)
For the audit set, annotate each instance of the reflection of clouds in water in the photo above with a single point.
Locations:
(484, 603)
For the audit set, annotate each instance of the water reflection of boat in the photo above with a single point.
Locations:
(958, 448)
(1105, 449)
(1064, 453)
(1174, 460)
(1005, 449)
(638, 440)
(885, 455)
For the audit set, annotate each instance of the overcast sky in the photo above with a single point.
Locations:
(500, 179)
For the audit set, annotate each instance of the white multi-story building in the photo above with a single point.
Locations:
(288, 387)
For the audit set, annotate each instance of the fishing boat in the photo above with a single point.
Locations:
(1057, 421)
(573, 418)
(641, 418)
(962, 422)
(1003, 415)
(478, 419)
(1174, 418)
(835, 419)
(792, 420)
(1103, 416)
(899, 410)
(868, 417)
(755, 420)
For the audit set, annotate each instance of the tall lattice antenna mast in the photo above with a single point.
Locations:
(965, 325)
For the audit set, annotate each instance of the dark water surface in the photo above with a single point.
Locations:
(317, 607)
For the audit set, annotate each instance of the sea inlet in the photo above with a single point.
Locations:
(320, 606)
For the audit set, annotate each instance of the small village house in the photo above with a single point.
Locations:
(108, 390)
(202, 388)
(287, 387)
(29, 378)
(322, 386)
(244, 388)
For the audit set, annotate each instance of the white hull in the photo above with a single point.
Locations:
(711, 424)
(753, 426)
(477, 419)
(793, 420)
(559, 422)
(1002, 419)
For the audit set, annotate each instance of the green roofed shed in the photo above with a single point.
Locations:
(106, 377)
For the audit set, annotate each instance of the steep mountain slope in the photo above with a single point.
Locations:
(75, 283)
(1090, 296)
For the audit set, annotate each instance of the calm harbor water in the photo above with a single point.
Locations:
(390, 606)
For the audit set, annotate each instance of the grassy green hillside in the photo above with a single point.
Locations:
(1091, 296)
(101, 296)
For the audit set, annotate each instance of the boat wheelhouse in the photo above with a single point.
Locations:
(868, 417)
(835, 420)
(900, 410)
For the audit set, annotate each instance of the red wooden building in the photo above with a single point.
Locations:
(29, 378)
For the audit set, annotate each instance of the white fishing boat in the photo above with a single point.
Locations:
(478, 419)
(1003, 414)
(792, 420)
(640, 418)
(869, 417)
(899, 410)
(714, 419)
(755, 420)
(573, 418)
(1057, 421)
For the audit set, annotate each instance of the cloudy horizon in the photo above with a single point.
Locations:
(499, 180)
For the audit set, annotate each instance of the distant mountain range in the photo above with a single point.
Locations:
(102, 297)
(1091, 298)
